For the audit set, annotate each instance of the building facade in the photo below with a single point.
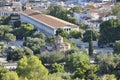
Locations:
(61, 46)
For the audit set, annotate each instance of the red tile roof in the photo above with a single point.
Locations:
(49, 20)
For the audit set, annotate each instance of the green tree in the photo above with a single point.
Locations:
(78, 60)
(51, 57)
(88, 74)
(59, 31)
(108, 77)
(62, 33)
(75, 9)
(55, 57)
(57, 11)
(9, 37)
(19, 33)
(2, 47)
(50, 39)
(91, 48)
(80, 73)
(91, 73)
(34, 44)
(54, 77)
(5, 20)
(117, 47)
(108, 64)
(72, 20)
(57, 68)
(10, 75)
(17, 23)
(75, 34)
(81, 26)
(5, 29)
(87, 35)
(28, 52)
(26, 29)
(109, 31)
(35, 72)
(38, 34)
(2, 71)
(1, 35)
(17, 53)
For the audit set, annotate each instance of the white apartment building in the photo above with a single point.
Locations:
(80, 16)
(109, 17)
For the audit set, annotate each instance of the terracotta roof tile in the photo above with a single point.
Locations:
(50, 20)
(90, 7)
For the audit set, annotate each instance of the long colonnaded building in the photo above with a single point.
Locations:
(45, 23)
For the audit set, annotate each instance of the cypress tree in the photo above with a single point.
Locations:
(91, 48)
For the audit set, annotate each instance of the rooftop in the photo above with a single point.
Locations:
(50, 20)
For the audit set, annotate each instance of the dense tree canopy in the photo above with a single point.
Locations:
(17, 53)
(51, 57)
(39, 34)
(4, 20)
(78, 60)
(2, 71)
(34, 43)
(10, 75)
(57, 68)
(9, 37)
(109, 64)
(24, 30)
(7, 75)
(109, 77)
(62, 33)
(32, 69)
(6, 28)
(89, 73)
(75, 9)
(59, 12)
(6, 33)
(109, 31)
(87, 35)
(75, 34)
(17, 23)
